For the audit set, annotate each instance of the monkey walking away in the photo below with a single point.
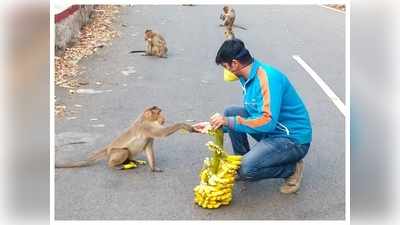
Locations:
(228, 17)
(155, 45)
(139, 137)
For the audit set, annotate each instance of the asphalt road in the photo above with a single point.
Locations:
(188, 85)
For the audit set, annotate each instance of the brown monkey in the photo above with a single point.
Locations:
(228, 17)
(137, 138)
(155, 44)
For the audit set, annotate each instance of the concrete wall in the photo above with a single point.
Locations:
(68, 27)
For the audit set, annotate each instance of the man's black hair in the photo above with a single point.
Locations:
(233, 49)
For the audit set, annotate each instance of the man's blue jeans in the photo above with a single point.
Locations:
(271, 157)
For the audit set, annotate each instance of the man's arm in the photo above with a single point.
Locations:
(269, 108)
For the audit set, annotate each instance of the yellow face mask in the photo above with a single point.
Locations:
(229, 76)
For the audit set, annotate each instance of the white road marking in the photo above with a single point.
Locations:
(328, 91)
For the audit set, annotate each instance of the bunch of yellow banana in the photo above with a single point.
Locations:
(217, 177)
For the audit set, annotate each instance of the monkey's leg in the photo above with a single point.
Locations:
(148, 50)
(165, 52)
(162, 54)
(150, 157)
(159, 53)
(117, 157)
(155, 51)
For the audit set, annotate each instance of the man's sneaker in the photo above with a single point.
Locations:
(292, 183)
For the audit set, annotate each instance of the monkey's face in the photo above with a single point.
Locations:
(147, 38)
(147, 35)
(225, 9)
(161, 119)
(154, 114)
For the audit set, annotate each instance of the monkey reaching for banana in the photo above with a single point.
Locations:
(228, 16)
(155, 45)
(139, 137)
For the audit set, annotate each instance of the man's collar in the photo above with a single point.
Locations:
(253, 70)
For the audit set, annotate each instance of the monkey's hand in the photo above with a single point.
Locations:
(187, 127)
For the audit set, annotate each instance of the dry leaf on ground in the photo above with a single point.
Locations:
(96, 34)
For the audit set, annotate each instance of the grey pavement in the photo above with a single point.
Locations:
(189, 86)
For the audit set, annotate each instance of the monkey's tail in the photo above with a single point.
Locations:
(137, 51)
(98, 154)
(93, 158)
(82, 163)
(238, 26)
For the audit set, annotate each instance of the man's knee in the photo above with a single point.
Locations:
(247, 172)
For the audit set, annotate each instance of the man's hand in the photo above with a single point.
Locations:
(217, 120)
(201, 127)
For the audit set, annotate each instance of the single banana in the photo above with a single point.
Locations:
(204, 176)
(236, 163)
(129, 165)
(140, 162)
(233, 157)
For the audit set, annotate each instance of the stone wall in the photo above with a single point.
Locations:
(68, 25)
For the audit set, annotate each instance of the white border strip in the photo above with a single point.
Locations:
(347, 126)
(328, 91)
(52, 124)
(205, 2)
